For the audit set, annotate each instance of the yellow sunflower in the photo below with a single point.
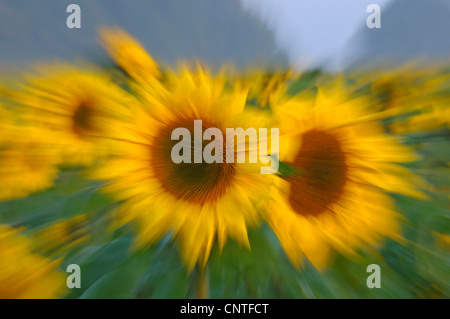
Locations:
(62, 235)
(435, 116)
(265, 88)
(28, 158)
(194, 201)
(335, 197)
(75, 105)
(420, 93)
(129, 54)
(407, 89)
(24, 274)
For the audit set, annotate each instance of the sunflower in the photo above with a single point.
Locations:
(28, 158)
(405, 90)
(75, 104)
(334, 195)
(419, 97)
(435, 116)
(129, 54)
(62, 235)
(24, 274)
(194, 201)
(265, 88)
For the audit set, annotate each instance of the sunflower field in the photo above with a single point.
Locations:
(87, 179)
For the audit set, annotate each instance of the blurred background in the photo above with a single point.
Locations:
(70, 221)
(328, 33)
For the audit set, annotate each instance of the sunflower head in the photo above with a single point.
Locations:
(62, 235)
(28, 158)
(266, 88)
(342, 166)
(129, 54)
(196, 201)
(75, 104)
(24, 274)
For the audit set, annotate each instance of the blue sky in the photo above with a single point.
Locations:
(314, 32)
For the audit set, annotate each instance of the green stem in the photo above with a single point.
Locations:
(202, 284)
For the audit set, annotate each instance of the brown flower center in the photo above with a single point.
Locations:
(198, 183)
(82, 120)
(322, 174)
